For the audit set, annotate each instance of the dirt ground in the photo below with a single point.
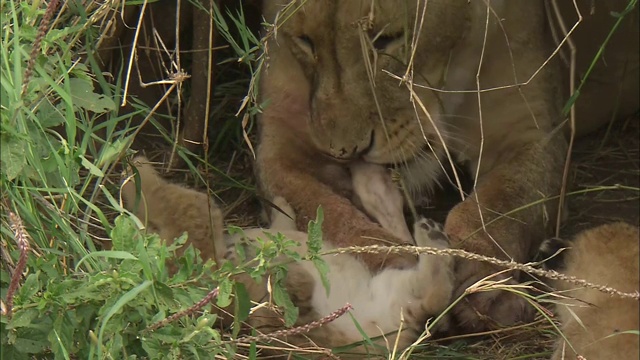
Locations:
(606, 160)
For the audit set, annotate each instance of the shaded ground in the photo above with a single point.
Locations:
(606, 159)
(604, 180)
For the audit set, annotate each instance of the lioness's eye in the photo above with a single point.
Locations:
(305, 43)
(382, 41)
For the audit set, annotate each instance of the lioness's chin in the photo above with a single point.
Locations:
(383, 159)
(402, 154)
(390, 160)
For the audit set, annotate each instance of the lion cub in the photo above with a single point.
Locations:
(170, 209)
(594, 323)
(392, 305)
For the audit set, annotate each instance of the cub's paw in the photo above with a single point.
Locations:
(282, 215)
(552, 253)
(428, 232)
(436, 279)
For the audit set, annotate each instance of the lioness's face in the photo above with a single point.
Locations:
(354, 56)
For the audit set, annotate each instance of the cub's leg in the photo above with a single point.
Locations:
(380, 198)
(282, 217)
(435, 280)
(287, 171)
(432, 282)
(506, 217)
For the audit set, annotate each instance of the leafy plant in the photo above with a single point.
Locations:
(62, 134)
(104, 313)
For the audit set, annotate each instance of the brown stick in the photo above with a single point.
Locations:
(197, 110)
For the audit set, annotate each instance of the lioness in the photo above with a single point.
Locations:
(391, 307)
(598, 325)
(418, 84)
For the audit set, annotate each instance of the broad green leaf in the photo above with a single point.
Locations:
(314, 242)
(153, 347)
(31, 286)
(281, 297)
(11, 352)
(225, 288)
(49, 115)
(323, 270)
(111, 150)
(314, 247)
(144, 260)
(243, 302)
(84, 97)
(112, 254)
(124, 233)
(31, 346)
(92, 168)
(12, 156)
(61, 338)
(22, 318)
(122, 301)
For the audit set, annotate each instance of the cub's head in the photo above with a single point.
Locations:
(341, 64)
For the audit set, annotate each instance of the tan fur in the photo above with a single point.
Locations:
(592, 323)
(417, 293)
(321, 115)
(170, 210)
(429, 289)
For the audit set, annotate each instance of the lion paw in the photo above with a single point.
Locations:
(487, 309)
(428, 232)
(552, 252)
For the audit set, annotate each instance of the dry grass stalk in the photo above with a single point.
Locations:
(21, 237)
(42, 31)
(297, 330)
(192, 309)
(550, 274)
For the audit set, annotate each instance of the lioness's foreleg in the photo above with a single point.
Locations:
(290, 174)
(512, 209)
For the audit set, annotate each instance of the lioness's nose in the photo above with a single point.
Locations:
(351, 152)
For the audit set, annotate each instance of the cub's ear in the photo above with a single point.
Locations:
(143, 166)
(149, 181)
(552, 253)
(137, 161)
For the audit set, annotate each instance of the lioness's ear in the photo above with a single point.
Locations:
(269, 10)
(552, 252)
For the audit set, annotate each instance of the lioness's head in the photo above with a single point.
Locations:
(352, 56)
